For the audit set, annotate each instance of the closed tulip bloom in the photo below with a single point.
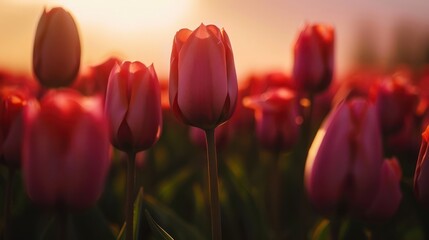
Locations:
(12, 103)
(133, 106)
(203, 82)
(389, 195)
(396, 99)
(57, 50)
(421, 174)
(314, 58)
(344, 159)
(65, 150)
(277, 122)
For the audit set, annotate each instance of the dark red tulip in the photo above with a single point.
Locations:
(314, 58)
(277, 122)
(421, 174)
(56, 52)
(203, 81)
(65, 150)
(133, 106)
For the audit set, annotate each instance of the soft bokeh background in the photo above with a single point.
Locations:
(381, 33)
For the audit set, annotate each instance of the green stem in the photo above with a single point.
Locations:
(275, 194)
(7, 202)
(129, 209)
(213, 185)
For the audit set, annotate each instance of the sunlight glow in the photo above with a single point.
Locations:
(128, 15)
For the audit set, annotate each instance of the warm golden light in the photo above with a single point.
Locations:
(128, 15)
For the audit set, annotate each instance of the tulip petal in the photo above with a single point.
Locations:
(144, 114)
(116, 104)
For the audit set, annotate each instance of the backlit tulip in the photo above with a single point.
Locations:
(12, 102)
(344, 161)
(203, 81)
(65, 150)
(421, 175)
(56, 52)
(133, 106)
(277, 121)
(314, 58)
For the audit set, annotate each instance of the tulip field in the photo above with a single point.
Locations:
(115, 152)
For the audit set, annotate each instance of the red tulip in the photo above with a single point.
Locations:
(276, 116)
(203, 81)
(344, 160)
(56, 53)
(12, 103)
(421, 175)
(65, 150)
(389, 195)
(133, 106)
(396, 99)
(314, 58)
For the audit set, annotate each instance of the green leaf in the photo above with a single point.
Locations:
(121, 234)
(160, 233)
(138, 207)
(321, 232)
(173, 224)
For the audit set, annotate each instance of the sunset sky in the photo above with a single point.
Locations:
(262, 32)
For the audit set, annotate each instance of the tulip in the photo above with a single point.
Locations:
(12, 103)
(56, 53)
(389, 195)
(203, 81)
(65, 150)
(343, 162)
(396, 99)
(421, 174)
(277, 121)
(133, 106)
(314, 58)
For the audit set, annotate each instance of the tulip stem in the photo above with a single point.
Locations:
(213, 185)
(308, 125)
(335, 225)
(7, 202)
(129, 209)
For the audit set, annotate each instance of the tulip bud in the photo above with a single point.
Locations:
(12, 102)
(65, 150)
(396, 100)
(343, 162)
(203, 81)
(56, 52)
(389, 195)
(277, 122)
(133, 106)
(314, 58)
(421, 174)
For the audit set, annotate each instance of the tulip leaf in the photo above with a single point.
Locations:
(138, 206)
(121, 234)
(173, 224)
(160, 233)
(321, 231)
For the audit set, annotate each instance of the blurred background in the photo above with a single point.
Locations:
(378, 33)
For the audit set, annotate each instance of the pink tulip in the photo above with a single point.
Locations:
(12, 103)
(344, 160)
(389, 195)
(56, 52)
(203, 81)
(277, 121)
(65, 150)
(421, 175)
(133, 106)
(314, 58)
